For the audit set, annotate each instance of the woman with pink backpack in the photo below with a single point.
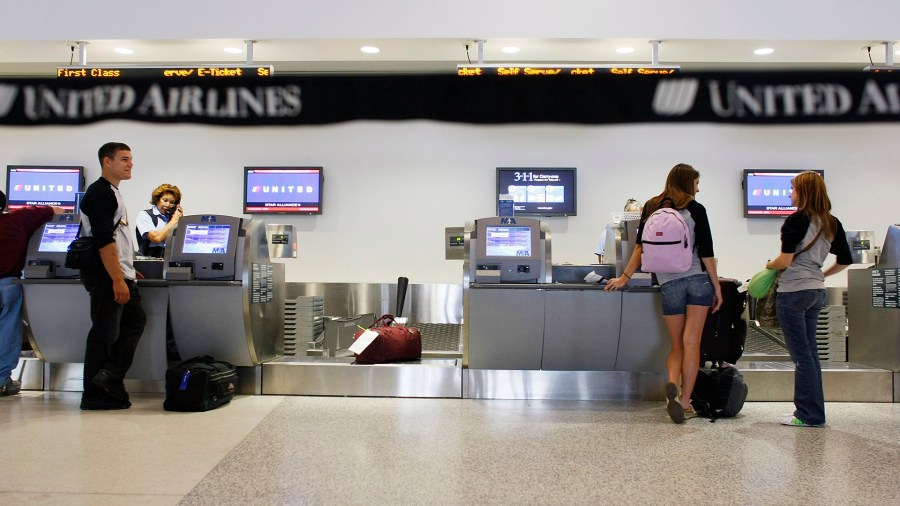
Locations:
(674, 241)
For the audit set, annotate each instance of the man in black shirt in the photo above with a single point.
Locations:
(117, 315)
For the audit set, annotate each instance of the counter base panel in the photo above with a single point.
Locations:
(444, 378)
(563, 385)
(68, 377)
(309, 376)
(842, 381)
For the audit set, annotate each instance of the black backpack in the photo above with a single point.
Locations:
(720, 392)
(143, 242)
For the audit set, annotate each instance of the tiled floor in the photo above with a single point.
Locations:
(327, 450)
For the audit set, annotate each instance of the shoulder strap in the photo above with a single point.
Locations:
(810, 245)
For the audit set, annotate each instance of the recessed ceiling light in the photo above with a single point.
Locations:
(510, 50)
(370, 49)
(233, 50)
(123, 50)
(625, 50)
(764, 50)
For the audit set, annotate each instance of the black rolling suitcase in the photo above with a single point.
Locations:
(199, 384)
(725, 331)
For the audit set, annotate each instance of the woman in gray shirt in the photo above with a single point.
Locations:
(807, 237)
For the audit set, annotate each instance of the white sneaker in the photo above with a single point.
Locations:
(793, 421)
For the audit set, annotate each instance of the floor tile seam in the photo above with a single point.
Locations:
(239, 444)
(59, 493)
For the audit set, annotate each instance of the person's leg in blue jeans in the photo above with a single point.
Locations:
(798, 313)
(10, 327)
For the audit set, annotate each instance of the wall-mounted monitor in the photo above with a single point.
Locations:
(539, 191)
(283, 190)
(767, 192)
(43, 185)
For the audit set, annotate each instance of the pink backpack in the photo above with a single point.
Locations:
(666, 243)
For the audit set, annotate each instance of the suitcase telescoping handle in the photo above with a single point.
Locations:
(402, 284)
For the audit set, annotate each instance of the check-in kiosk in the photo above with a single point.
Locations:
(620, 241)
(509, 250)
(57, 309)
(226, 298)
(527, 335)
(46, 257)
(873, 311)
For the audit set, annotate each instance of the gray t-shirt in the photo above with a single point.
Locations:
(805, 272)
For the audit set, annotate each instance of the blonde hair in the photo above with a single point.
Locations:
(162, 190)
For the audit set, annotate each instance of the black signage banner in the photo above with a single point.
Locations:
(737, 98)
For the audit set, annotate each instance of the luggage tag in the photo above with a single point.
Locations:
(363, 341)
(184, 381)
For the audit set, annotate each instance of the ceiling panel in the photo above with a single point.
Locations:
(39, 58)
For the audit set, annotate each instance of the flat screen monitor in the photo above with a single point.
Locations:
(767, 192)
(56, 237)
(539, 191)
(43, 185)
(283, 190)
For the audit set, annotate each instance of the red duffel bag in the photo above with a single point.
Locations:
(393, 344)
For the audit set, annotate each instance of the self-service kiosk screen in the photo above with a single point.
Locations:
(507, 241)
(57, 237)
(202, 238)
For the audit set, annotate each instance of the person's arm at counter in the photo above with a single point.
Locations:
(158, 236)
(633, 264)
(710, 264)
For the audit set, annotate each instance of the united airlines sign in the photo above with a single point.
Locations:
(729, 99)
(749, 98)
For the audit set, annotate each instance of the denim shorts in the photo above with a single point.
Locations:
(679, 293)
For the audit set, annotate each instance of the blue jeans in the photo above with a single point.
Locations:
(798, 314)
(10, 326)
(680, 293)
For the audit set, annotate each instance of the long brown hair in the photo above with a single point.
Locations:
(679, 189)
(813, 201)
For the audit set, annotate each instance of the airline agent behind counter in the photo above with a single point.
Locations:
(154, 224)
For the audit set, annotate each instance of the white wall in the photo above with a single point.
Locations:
(392, 187)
